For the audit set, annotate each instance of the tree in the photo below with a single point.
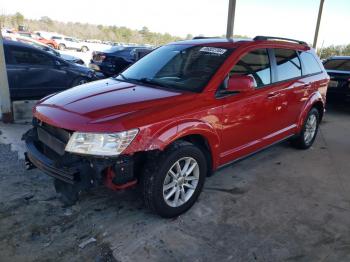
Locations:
(19, 19)
(189, 36)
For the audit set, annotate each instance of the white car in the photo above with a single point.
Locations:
(65, 42)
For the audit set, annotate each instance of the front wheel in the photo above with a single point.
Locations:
(174, 179)
(309, 131)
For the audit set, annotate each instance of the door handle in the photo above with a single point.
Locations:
(305, 86)
(272, 95)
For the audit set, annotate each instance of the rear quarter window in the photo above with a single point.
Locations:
(310, 64)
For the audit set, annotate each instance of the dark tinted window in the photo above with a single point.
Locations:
(288, 64)
(27, 56)
(338, 64)
(255, 64)
(311, 66)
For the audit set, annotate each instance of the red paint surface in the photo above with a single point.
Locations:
(234, 126)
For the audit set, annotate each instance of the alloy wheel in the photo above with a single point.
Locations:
(181, 181)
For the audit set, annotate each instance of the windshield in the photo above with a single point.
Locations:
(338, 64)
(178, 67)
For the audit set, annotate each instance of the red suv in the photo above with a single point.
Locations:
(176, 116)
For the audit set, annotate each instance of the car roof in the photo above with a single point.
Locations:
(234, 42)
(339, 57)
(19, 44)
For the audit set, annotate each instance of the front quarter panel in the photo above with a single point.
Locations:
(158, 138)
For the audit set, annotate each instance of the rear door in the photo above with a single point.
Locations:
(291, 88)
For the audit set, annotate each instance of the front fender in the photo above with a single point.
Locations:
(177, 130)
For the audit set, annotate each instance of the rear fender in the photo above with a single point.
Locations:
(313, 100)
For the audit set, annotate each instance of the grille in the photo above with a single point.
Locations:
(52, 137)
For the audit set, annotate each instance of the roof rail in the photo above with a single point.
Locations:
(261, 37)
(203, 37)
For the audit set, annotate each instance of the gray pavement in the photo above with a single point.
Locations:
(282, 204)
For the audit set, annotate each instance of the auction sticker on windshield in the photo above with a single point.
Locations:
(213, 50)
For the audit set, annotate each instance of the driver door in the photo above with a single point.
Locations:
(248, 118)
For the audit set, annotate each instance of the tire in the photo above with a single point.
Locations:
(61, 47)
(51, 45)
(158, 183)
(79, 81)
(84, 49)
(309, 131)
(68, 194)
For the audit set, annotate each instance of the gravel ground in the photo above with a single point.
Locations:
(279, 205)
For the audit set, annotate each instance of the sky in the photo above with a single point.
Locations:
(285, 18)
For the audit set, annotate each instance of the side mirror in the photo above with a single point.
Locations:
(240, 83)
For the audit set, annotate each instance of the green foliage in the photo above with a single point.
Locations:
(89, 31)
(343, 50)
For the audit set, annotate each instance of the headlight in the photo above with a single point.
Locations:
(101, 144)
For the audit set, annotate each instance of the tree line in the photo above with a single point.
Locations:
(120, 34)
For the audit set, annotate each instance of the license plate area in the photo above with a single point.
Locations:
(50, 141)
(333, 83)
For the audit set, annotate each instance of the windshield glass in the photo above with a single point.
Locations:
(338, 64)
(178, 66)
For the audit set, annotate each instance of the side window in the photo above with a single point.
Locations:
(311, 66)
(288, 64)
(30, 57)
(256, 64)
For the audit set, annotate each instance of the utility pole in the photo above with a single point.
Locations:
(318, 23)
(231, 18)
(5, 101)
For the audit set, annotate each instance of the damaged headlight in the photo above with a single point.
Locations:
(100, 144)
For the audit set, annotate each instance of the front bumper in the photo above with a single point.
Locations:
(46, 152)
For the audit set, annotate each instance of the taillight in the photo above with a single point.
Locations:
(98, 56)
(102, 57)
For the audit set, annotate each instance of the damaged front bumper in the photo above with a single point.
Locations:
(45, 150)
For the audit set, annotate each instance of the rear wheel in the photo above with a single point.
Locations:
(308, 134)
(174, 179)
(61, 47)
(84, 49)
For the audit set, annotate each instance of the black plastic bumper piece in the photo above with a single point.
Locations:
(36, 158)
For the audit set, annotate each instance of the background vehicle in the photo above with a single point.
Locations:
(65, 42)
(46, 48)
(34, 73)
(177, 115)
(338, 68)
(50, 42)
(113, 61)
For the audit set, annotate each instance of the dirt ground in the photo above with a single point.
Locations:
(282, 204)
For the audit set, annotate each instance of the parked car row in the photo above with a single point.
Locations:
(111, 62)
(34, 73)
(177, 115)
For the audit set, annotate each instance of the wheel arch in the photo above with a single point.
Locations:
(197, 132)
(315, 101)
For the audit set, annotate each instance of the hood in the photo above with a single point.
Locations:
(108, 105)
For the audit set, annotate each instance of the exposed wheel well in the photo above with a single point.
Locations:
(203, 144)
(319, 106)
